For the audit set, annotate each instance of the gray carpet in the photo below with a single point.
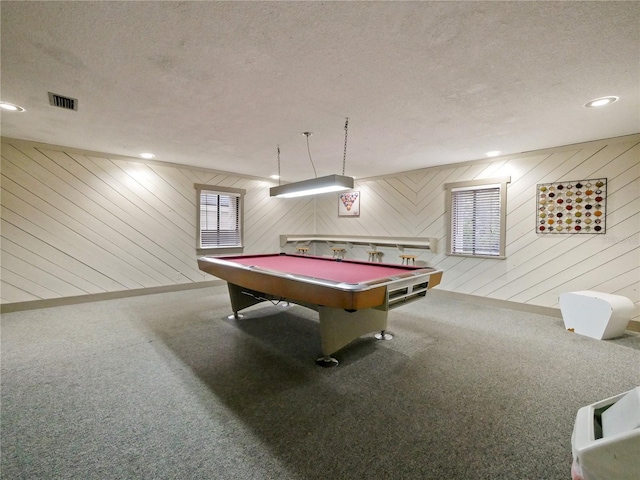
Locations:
(166, 387)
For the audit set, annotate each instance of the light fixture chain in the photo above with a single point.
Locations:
(308, 134)
(344, 158)
(279, 165)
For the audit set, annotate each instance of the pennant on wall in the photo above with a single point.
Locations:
(349, 204)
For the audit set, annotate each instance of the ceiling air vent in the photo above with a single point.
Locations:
(67, 103)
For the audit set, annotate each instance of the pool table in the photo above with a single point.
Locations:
(352, 297)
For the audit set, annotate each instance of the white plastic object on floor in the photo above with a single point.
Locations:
(594, 314)
(606, 439)
(622, 416)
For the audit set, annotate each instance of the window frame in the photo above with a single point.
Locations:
(501, 183)
(219, 190)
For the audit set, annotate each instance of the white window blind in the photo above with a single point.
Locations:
(220, 223)
(475, 220)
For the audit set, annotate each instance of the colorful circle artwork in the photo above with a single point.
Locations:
(569, 201)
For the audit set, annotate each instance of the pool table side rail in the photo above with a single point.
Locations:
(409, 271)
(292, 289)
(324, 292)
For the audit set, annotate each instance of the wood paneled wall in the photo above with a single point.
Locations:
(538, 267)
(78, 224)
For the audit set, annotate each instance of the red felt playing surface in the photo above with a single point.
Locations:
(325, 269)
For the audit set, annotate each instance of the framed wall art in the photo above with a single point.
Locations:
(577, 207)
(349, 204)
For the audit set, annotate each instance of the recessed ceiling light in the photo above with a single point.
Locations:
(601, 102)
(147, 156)
(275, 177)
(11, 107)
(493, 153)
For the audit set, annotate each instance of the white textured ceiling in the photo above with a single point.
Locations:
(221, 84)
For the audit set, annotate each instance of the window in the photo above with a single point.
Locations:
(476, 214)
(219, 219)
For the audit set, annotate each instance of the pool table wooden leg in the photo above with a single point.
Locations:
(338, 327)
(240, 300)
(244, 297)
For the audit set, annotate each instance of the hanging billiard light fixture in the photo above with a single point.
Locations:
(315, 186)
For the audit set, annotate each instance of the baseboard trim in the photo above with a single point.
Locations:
(494, 302)
(56, 302)
(97, 297)
(633, 326)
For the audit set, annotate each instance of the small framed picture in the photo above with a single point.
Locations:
(349, 204)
